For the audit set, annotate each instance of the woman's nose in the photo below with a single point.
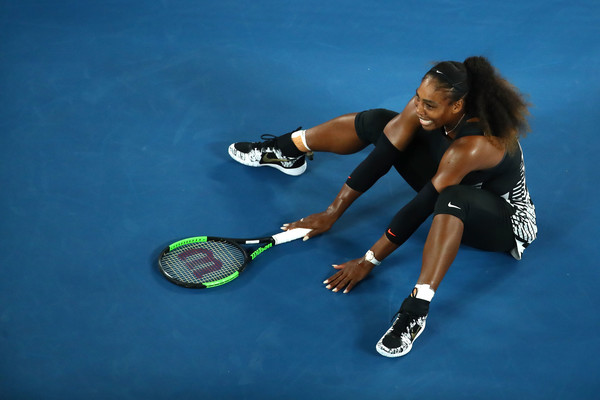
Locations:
(420, 108)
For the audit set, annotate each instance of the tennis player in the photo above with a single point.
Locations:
(456, 143)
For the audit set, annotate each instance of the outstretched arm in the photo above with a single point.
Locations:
(323, 221)
(401, 129)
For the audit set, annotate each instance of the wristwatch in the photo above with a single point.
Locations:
(370, 257)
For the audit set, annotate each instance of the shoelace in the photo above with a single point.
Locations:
(269, 141)
(402, 324)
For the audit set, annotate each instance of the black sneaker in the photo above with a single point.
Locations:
(267, 153)
(409, 324)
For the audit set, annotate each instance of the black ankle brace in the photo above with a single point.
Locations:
(414, 306)
(287, 146)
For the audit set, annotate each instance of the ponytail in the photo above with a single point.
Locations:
(501, 108)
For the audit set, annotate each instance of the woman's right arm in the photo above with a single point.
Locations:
(323, 221)
(396, 135)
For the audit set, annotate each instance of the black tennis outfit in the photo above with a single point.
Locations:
(494, 204)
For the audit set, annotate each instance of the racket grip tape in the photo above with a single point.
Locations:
(290, 235)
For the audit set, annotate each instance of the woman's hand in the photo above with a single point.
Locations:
(349, 275)
(319, 223)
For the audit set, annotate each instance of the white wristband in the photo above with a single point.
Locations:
(370, 257)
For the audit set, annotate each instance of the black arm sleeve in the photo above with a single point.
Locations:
(412, 215)
(377, 164)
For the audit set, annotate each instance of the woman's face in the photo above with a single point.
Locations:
(434, 107)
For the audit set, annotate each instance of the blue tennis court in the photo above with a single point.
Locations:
(115, 120)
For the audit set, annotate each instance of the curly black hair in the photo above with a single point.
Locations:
(501, 108)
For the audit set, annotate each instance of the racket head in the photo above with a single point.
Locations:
(203, 261)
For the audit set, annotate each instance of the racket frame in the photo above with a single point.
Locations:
(265, 244)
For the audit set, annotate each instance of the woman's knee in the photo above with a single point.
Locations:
(453, 200)
(486, 220)
(369, 124)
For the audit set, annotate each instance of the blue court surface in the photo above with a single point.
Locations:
(115, 118)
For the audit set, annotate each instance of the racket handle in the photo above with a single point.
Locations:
(290, 235)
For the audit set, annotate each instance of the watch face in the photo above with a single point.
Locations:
(370, 257)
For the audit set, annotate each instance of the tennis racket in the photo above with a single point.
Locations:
(209, 261)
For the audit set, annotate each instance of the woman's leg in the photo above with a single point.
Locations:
(464, 214)
(335, 136)
(347, 134)
(440, 249)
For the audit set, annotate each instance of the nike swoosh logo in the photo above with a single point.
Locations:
(391, 233)
(267, 159)
(453, 206)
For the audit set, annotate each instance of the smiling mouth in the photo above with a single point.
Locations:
(425, 122)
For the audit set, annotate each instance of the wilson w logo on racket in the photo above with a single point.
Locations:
(209, 261)
(200, 261)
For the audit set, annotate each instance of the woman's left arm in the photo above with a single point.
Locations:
(465, 155)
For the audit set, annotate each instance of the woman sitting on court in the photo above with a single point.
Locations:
(455, 143)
